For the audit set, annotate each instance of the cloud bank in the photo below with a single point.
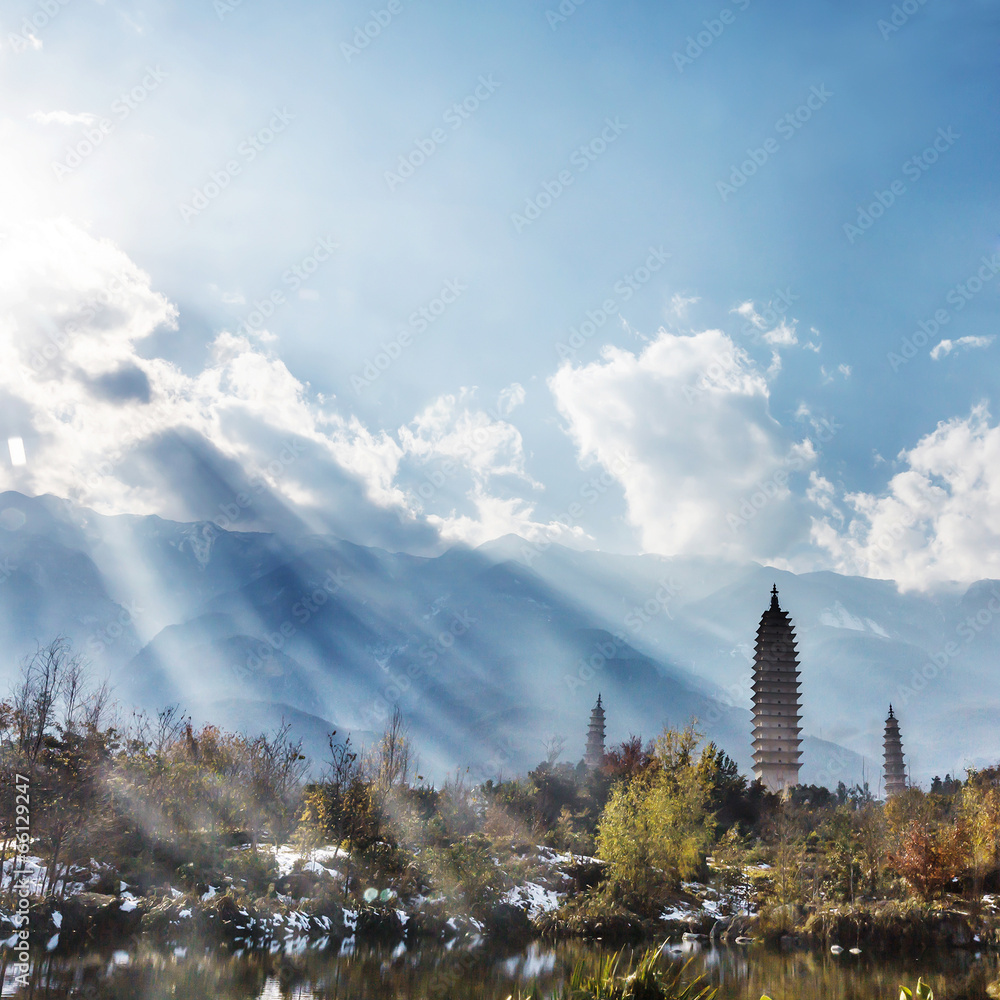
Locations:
(938, 520)
(685, 426)
(242, 440)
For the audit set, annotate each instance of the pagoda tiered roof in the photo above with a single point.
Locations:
(776, 686)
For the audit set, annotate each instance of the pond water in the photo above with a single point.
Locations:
(488, 974)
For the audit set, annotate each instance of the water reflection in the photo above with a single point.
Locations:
(485, 973)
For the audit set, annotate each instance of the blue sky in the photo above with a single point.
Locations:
(866, 449)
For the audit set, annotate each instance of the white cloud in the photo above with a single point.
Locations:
(822, 493)
(496, 516)
(64, 118)
(511, 398)
(119, 431)
(945, 347)
(73, 310)
(774, 328)
(679, 304)
(829, 376)
(451, 427)
(685, 428)
(783, 335)
(939, 518)
(487, 447)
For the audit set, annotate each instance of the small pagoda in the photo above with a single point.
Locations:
(895, 769)
(595, 737)
(776, 731)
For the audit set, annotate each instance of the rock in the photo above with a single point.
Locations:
(378, 925)
(508, 922)
(585, 875)
(738, 927)
(161, 918)
(430, 921)
(96, 918)
(107, 882)
(234, 921)
(719, 928)
(298, 885)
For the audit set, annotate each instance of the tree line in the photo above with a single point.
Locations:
(156, 802)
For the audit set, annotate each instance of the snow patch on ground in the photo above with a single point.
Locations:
(877, 629)
(534, 899)
(839, 617)
(26, 870)
(554, 857)
(285, 856)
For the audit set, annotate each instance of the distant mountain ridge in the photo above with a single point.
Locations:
(490, 652)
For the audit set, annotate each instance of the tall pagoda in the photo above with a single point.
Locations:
(595, 737)
(895, 769)
(776, 742)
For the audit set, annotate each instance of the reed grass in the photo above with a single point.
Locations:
(612, 980)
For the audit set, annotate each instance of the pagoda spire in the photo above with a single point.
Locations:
(895, 769)
(595, 736)
(776, 731)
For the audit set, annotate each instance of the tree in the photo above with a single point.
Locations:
(979, 814)
(629, 758)
(55, 719)
(731, 799)
(329, 803)
(782, 833)
(657, 828)
(554, 746)
(274, 767)
(389, 765)
(930, 860)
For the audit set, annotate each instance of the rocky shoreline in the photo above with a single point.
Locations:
(232, 921)
(306, 906)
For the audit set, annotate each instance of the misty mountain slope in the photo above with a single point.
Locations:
(516, 644)
(861, 642)
(190, 665)
(48, 589)
(489, 651)
(190, 562)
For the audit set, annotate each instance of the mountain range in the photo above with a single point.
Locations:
(495, 655)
